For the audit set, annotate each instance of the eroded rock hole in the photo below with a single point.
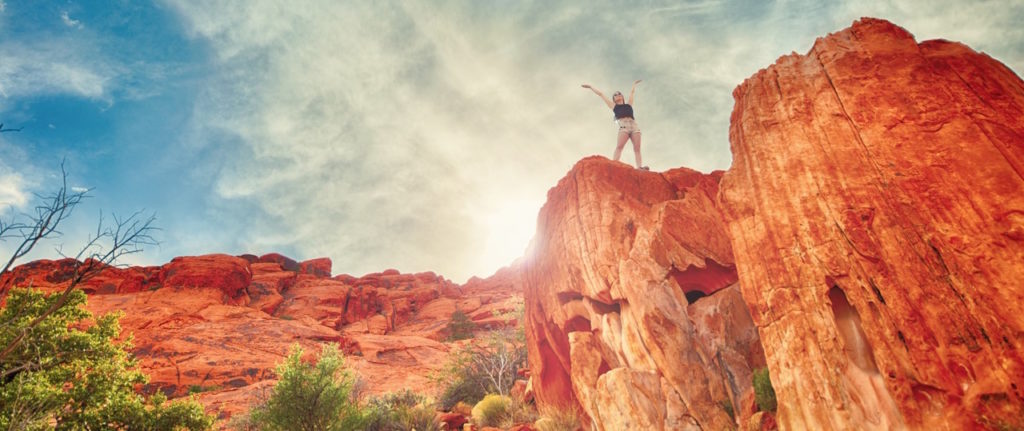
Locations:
(697, 282)
(878, 293)
(567, 297)
(578, 323)
(693, 295)
(603, 308)
(848, 323)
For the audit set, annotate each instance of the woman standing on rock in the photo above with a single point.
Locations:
(628, 128)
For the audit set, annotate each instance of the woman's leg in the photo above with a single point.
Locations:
(623, 137)
(635, 137)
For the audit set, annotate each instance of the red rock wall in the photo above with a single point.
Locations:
(617, 253)
(220, 324)
(876, 210)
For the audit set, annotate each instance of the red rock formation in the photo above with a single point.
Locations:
(876, 210)
(320, 267)
(220, 324)
(228, 274)
(618, 255)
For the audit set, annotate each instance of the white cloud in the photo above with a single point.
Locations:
(15, 184)
(12, 191)
(54, 66)
(391, 141)
(68, 21)
(424, 135)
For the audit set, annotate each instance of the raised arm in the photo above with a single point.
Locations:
(633, 91)
(607, 101)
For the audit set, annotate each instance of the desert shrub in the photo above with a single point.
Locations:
(558, 418)
(464, 389)
(400, 411)
(460, 327)
(764, 394)
(488, 365)
(198, 389)
(518, 412)
(491, 410)
(310, 397)
(403, 398)
(68, 372)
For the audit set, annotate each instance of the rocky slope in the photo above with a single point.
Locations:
(219, 324)
(632, 315)
(876, 210)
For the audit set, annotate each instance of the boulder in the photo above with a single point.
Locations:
(229, 274)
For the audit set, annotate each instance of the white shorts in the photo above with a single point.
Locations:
(628, 126)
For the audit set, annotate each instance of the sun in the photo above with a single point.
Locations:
(509, 228)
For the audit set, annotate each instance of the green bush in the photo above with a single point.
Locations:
(460, 327)
(419, 418)
(68, 374)
(311, 397)
(401, 411)
(490, 411)
(764, 394)
(490, 364)
(518, 412)
(463, 390)
(198, 389)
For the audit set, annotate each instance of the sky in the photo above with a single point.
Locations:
(415, 135)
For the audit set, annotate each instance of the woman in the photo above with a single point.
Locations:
(628, 128)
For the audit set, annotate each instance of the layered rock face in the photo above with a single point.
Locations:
(876, 210)
(220, 324)
(619, 256)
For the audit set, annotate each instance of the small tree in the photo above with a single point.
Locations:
(68, 378)
(460, 327)
(310, 397)
(487, 366)
(59, 368)
(109, 243)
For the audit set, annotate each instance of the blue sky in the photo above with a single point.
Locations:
(409, 135)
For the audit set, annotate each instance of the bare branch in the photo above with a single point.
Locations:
(102, 249)
(3, 130)
(55, 208)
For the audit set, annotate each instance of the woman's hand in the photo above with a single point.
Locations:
(586, 86)
(637, 81)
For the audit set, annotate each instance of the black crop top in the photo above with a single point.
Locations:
(623, 111)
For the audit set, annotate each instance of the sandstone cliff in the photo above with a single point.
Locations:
(616, 315)
(876, 211)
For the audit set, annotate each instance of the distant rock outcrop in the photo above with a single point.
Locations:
(876, 210)
(220, 324)
(618, 319)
